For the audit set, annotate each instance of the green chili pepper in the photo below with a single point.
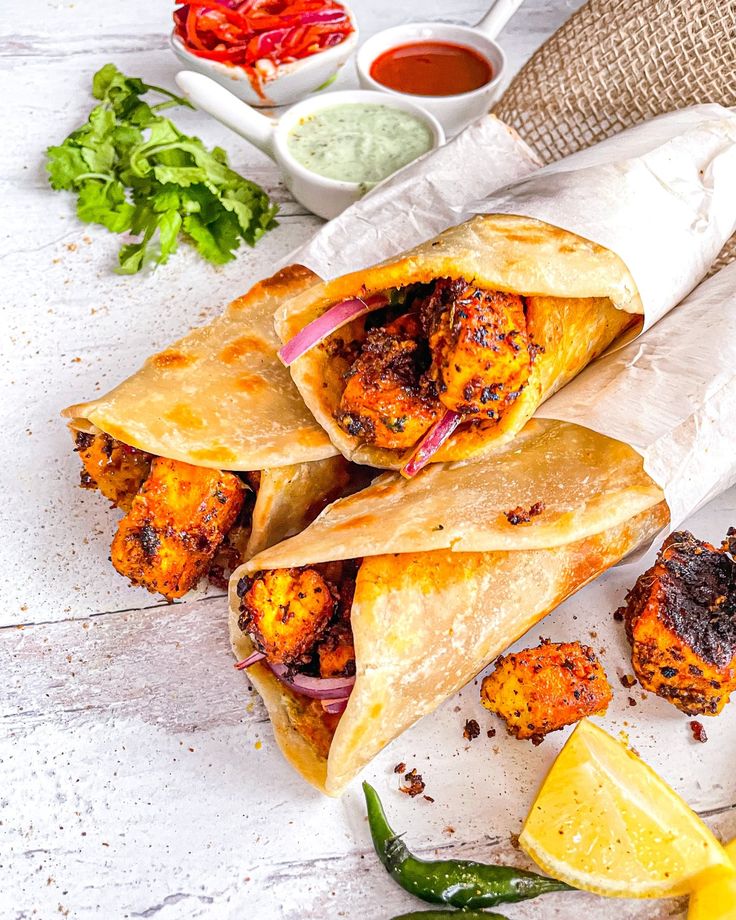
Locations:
(443, 914)
(458, 882)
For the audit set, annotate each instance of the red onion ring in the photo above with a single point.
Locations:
(330, 321)
(316, 688)
(247, 662)
(431, 443)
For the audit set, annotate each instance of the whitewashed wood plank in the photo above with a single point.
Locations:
(132, 751)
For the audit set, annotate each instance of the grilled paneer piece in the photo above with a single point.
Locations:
(286, 611)
(336, 651)
(681, 623)
(542, 689)
(386, 400)
(117, 470)
(177, 521)
(481, 356)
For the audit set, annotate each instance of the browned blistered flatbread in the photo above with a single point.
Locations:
(580, 298)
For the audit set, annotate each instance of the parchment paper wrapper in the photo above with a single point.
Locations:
(672, 180)
(671, 395)
(421, 200)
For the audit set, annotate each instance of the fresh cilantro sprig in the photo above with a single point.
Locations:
(134, 172)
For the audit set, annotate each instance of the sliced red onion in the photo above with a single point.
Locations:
(317, 688)
(317, 16)
(247, 662)
(330, 321)
(335, 707)
(431, 443)
(265, 43)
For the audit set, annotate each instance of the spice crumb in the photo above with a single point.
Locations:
(471, 730)
(520, 516)
(618, 615)
(415, 784)
(400, 768)
(491, 732)
(428, 798)
(632, 701)
(627, 680)
(698, 731)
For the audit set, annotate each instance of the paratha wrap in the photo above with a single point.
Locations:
(453, 566)
(166, 446)
(445, 351)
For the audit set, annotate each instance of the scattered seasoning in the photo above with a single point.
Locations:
(627, 680)
(415, 784)
(400, 768)
(520, 516)
(698, 731)
(491, 732)
(632, 701)
(471, 730)
(618, 615)
(428, 798)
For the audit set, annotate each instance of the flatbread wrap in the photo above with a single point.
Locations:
(448, 349)
(444, 351)
(397, 596)
(208, 449)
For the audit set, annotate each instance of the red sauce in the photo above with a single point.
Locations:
(431, 69)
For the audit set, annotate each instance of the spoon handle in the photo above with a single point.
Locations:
(208, 95)
(497, 17)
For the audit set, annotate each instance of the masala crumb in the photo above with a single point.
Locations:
(415, 784)
(519, 516)
(471, 730)
(698, 731)
(627, 680)
(400, 768)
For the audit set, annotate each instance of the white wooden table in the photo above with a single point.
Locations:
(138, 775)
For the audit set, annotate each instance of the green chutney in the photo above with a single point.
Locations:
(358, 142)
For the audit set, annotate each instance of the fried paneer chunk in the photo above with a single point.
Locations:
(177, 521)
(114, 468)
(481, 356)
(681, 622)
(387, 401)
(336, 651)
(540, 690)
(286, 611)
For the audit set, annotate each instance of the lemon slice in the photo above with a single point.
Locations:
(605, 822)
(716, 901)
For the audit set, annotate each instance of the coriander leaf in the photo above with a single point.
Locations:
(105, 203)
(109, 81)
(134, 170)
(130, 258)
(169, 226)
(215, 240)
(64, 164)
(179, 175)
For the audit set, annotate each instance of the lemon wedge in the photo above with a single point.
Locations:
(716, 901)
(605, 822)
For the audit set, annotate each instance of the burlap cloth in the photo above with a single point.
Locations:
(618, 62)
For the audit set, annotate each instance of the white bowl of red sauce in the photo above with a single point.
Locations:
(453, 71)
(268, 54)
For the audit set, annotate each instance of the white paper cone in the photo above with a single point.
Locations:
(662, 195)
(671, 395)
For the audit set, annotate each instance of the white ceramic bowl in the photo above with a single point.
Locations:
(453, 112)
(324, 197)
(288, 83)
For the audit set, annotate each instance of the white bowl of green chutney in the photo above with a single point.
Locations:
(332, 148)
